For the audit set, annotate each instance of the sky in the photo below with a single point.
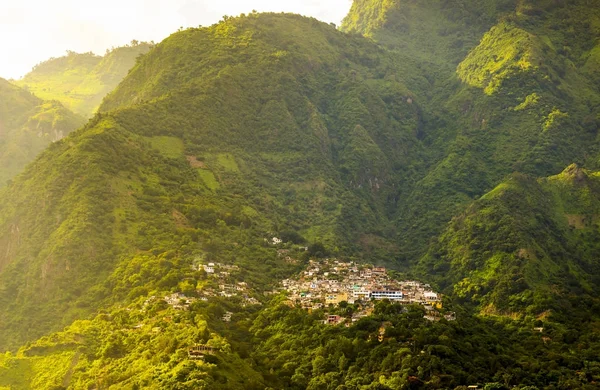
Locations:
(31, 31)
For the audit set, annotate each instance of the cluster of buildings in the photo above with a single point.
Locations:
(216, 269)
(224, 275)
(219, 275)
(179, 301)
(333, 281)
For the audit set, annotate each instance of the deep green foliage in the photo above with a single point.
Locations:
(297, 351)
(526, 248)
(223, 138)
(519, 97)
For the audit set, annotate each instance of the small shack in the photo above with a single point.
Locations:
(197, 352)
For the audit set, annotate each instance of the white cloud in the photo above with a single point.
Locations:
(32, 31)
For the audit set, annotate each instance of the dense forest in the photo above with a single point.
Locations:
(455, 142)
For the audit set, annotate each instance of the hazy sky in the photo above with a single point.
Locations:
(32, 31)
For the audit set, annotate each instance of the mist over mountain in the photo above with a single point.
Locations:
(81, 80)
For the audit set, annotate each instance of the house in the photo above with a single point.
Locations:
(197, 352)
(333, 320)
(430, 296)
(378, 270)
(335, 299)
(252, 301)
(209, 269)
(361, 294)
(276, 241)
(392, 295)
(227, 316)
(450, 316)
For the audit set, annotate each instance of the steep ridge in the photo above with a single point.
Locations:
(81, 81)
(438, 32)
(27, 126)
(256, 126)
(527, 247)
(511, 88)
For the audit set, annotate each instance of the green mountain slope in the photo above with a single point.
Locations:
(527, 247)
(510, 88)
(81, 81)
(27, 126)
(222, 139)
(255, 127)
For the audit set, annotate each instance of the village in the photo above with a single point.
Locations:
(221, 284)
(328, 283)
(323, 284)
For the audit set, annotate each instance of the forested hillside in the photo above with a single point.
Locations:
(511, 87)
(81, 81)
(453, 141)
(528, 247)
(270, 124)
(27, 126)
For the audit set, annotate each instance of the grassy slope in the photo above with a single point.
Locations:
(80, 81)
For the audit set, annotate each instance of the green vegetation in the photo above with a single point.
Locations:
(504, 87)
(27, 126)
(170, 147)
(297, 351)
(439, 149)
(81, 81)
(178, 170)
(526, 248)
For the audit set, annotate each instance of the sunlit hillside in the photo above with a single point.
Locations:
(410, 201)
(81, 81)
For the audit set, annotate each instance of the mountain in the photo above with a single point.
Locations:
(257, 127)
(27, 126)
(511, 87)
(81, 81)
(457, 142)
(527, 247)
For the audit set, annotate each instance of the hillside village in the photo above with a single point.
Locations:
(328, 283)
(325, 284)
(222, 282)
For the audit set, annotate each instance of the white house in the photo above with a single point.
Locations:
(430, 295)
(392, 295)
